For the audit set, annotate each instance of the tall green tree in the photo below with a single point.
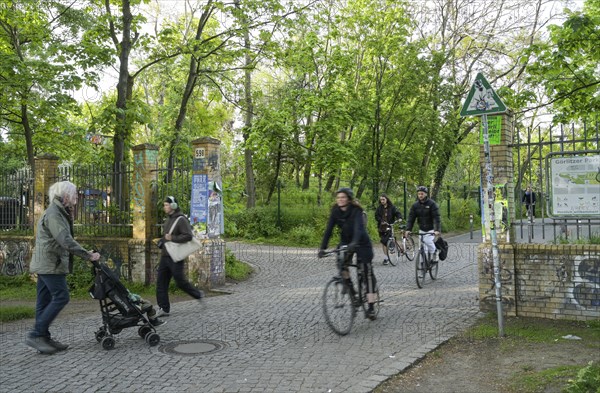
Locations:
(566, 65)
(43, 59)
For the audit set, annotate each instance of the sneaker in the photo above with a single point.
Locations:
(356, 301)
(58, 345)
(157, 322)
(371, 315)
(385, 262)
(41, 344)
(162, 313)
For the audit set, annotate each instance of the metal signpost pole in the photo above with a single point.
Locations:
(491, 199)
(482, 100)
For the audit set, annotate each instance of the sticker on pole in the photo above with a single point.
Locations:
(482, 99)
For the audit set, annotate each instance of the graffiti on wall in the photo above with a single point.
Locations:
(584, 291)
(13, 257)
(506, 278)
(571, 281)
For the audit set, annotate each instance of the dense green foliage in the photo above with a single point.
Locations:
(308, 94)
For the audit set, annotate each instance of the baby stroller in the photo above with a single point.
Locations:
(120, 308)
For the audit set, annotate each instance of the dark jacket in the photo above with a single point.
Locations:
(529, 198)
(182, 233)
(428, 214)
(54, 242)
(353, 231)
(388, 215)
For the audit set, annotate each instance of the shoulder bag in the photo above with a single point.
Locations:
(180, 251)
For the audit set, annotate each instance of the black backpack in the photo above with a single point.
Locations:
(442, 247)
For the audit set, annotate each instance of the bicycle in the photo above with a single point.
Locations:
(396, 249)
(423, 264)
(340, 301)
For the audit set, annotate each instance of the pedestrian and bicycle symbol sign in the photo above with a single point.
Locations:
(482, 99)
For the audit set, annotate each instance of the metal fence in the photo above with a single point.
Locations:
(16, 203)
(102, 208)
(531, 150)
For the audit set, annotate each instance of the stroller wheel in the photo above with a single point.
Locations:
(101, 333)
(144, 330)
(108, 343)
(152, 339)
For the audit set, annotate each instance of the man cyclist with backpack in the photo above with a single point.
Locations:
(428, 214)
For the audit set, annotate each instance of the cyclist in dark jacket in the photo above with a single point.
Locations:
(347, 215)
(428, 214)
(385, 214)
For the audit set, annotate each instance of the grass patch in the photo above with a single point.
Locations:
(534, 382)
(535, 329)
(15, 313)
(17, 287)
(236, 269)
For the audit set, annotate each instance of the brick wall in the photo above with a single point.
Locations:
(544, 280)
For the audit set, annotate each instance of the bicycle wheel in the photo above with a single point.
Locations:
(420, 270)
(409, 248)
(337, 306)
(393, 251)
(433, 269)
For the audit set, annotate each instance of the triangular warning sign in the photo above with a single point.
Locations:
(482, 99)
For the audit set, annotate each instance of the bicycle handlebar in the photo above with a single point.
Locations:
(327, 253)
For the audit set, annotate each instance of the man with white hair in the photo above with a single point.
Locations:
(52, 260)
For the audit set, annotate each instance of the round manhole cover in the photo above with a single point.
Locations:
(192, 348)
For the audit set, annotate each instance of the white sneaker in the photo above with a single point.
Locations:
(162, 313)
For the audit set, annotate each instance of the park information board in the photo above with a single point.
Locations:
(575, 185)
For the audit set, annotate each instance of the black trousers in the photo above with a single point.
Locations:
(168, 269)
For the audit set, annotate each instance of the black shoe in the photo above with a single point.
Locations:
(356, 301)
(41, 344)
(157, 322)
(371, 315)
(201, 295)
(385, 261)
(58, 345)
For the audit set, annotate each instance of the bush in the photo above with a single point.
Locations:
(587, 380)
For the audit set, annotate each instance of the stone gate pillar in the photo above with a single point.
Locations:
(145, 161)
(44, 176)
(500, 132)
(207, 267)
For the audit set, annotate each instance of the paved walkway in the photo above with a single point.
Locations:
(269, 334)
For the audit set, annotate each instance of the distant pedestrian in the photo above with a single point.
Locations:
(178, 231)
(52, 260)
(529, 200)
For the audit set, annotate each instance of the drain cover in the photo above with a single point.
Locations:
(192, 348)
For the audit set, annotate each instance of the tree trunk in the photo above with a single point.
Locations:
(28, 134)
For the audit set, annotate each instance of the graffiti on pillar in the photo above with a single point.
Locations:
(138, 182)
(217, 262)
(213, 161)
(505, 279)
(584, 291)
(13, 256)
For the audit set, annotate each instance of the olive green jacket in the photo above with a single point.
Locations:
(54, 242)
